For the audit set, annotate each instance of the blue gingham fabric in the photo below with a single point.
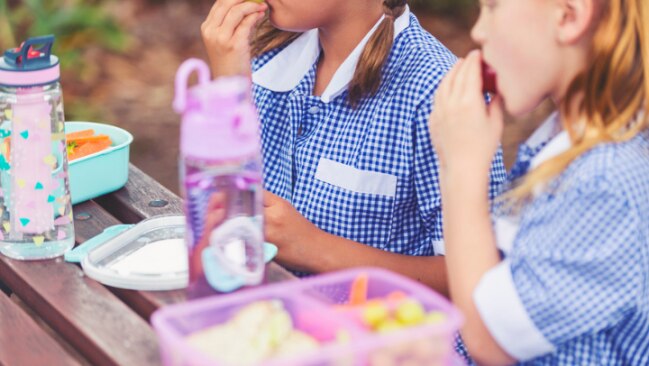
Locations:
(579, 265)
(385, 136)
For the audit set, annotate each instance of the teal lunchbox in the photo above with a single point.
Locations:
(102, 172)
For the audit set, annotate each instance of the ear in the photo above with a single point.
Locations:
(575, 19)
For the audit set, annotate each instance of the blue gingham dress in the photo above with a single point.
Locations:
(368, 174)
(573, 288)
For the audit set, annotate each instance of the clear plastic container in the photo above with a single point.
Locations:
(312, 305)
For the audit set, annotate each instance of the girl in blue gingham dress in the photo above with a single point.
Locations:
(348, 162)
(559, 274)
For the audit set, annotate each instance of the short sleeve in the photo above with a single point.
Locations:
(575, 269)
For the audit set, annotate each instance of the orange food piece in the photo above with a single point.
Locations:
(86, 139)
(89, 147)
(7, 144)
(396, 296)
(79, 144)
(78, 134)
(85, 142)
(358, 291)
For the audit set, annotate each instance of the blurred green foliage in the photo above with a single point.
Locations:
(78, 25)
(75, 23)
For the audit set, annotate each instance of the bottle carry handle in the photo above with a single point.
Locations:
(22, 57)
(182, 77)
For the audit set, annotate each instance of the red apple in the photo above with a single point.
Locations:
(488, 79)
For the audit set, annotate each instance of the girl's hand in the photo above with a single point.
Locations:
(285, 227)
(465, 131)
(226, 34)
(215, 215)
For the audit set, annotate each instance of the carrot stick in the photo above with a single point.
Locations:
(82, 140)
(358, 291)
(78, 134)
(88, 148)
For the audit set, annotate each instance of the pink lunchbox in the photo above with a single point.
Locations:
(312, 304)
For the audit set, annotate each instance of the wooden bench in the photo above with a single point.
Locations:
(105, 325)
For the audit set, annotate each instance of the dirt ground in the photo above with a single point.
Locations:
(136, 89)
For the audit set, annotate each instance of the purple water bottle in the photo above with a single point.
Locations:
(220, 175)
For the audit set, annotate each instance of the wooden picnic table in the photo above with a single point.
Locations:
(56, 315)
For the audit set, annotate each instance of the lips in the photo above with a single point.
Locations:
(489, 84)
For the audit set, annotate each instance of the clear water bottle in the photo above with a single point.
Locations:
(220, 174)
(35, 209)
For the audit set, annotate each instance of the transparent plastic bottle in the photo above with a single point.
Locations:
(220, 175)
(35, 208)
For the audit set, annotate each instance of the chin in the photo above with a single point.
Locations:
(285, 25)
(519, 107)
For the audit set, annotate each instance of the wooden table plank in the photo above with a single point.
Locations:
(23, 342)
(86, 314)
(142, 197)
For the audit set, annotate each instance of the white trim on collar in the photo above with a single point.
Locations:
(548, 129)
(559, 140)
(285, 71)
(559, 144)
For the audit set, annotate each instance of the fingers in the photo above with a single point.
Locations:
(215, 213)
(468, 82)
(473, 75)
(219, 10)
(216, 201)
(244, 31)
(236, 15)
(448, 82)
(495, 110)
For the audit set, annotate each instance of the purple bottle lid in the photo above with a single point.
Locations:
(219, 121)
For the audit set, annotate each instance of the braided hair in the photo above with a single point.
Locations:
(367, 77)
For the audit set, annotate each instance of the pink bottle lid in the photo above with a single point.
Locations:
(219, 121)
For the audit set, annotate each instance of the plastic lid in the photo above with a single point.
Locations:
(31, 64)
(150, 256)
(219, 120)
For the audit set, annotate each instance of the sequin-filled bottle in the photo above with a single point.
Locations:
(35, 208)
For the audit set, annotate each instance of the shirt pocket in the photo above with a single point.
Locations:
(359, 204)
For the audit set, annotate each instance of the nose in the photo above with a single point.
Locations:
(478, 32)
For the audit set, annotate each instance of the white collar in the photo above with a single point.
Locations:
(559, 140)
(285, 71)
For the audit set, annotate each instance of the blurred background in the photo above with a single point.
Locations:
(119, 59)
